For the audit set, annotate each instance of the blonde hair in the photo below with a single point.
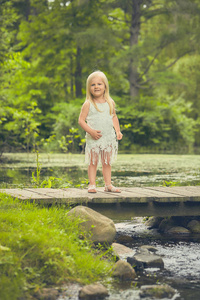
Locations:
(89, 96)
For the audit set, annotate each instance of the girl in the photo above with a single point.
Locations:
(97, 118)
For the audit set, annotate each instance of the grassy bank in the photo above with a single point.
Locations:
(41, 247)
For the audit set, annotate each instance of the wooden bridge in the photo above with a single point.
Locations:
(131, 202)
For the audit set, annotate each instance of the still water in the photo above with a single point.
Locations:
(181, 256)
(69, 170)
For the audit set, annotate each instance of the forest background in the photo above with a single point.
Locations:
(149, 50)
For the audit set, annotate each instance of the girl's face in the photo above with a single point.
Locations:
(97, 87)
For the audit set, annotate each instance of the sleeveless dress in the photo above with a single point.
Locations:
(107, 145)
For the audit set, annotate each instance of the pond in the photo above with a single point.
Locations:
(69, 170)
(181, 256)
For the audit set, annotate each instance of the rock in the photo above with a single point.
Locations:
(137, 265)
(122, 239)
(157, 291)
(178, 230)
(141, 250)
(93, 292)
(153, 222)
(149, 260)
(123, 270)
(149, 248)
(194, 226)
(122, 251)
(47, 294)
(166, 224)
(102, 228)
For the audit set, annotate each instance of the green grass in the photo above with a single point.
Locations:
(43, 248)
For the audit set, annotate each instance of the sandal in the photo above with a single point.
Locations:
(92, 189)
(111, 188)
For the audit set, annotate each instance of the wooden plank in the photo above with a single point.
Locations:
(189, 195)
(194, 189)
(150, 192)
(158, 196)
(13, 192)
(124, 196)
(128, 195)
(185, 192)
(25, 194)
(61, 193)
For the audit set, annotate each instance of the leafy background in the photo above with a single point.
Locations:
(148, 49)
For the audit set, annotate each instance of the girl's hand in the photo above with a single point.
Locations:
(119, 135)
(96, 134)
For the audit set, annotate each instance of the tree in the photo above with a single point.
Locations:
(147, 48)
(150, 48)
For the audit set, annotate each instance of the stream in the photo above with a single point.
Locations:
(181, 255)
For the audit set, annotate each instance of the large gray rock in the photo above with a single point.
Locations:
(149, 248)
(93, 292)
(166, 224)
(122, 251)
(123, 270)
(102, 228)
(153, 222)
(149, 260)
(194, 226)
(157, 291)
(178, 230)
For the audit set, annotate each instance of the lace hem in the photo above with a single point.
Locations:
(108, 154)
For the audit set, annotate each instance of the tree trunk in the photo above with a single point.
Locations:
(78, 73)
(134, 34)
(71, 77)
(27, 9)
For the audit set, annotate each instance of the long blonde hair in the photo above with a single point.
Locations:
(107, 95)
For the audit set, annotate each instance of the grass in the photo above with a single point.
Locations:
(41, 247)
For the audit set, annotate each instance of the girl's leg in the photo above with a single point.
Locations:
(106, 170)
(106, 167)
(92, 170)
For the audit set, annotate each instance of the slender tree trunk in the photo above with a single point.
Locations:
(27, 9)
(71, 77)
(78, 73)
(134, 34)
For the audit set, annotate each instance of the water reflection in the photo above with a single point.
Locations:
(74, 176)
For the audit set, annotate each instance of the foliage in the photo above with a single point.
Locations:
(148, 49)
(160, 121)
(41, 247)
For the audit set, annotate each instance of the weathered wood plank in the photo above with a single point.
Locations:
(158, 196)
(136, 201)
(25, 194)
(128, 195)
(186, 194)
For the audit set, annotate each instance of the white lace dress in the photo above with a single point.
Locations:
(107, 145)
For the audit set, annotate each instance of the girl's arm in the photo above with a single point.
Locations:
(116, 125)
(96, 134)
